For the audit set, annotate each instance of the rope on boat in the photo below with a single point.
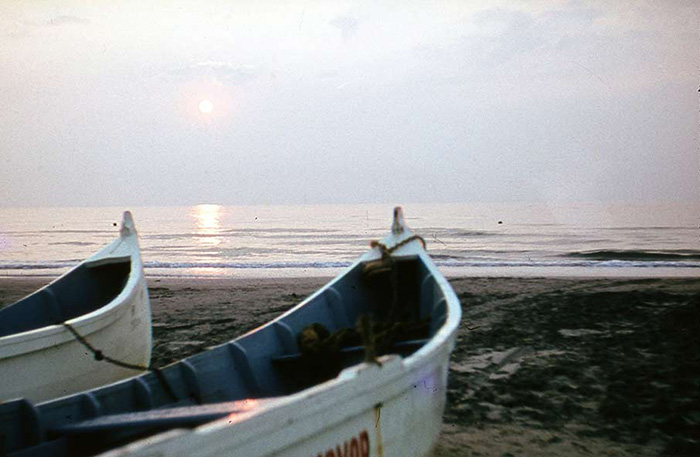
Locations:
(386, 264)
(387, 251)
(99, 356)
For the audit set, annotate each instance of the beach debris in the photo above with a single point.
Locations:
(491, 366)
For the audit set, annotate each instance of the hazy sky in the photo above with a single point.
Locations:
(368, 101)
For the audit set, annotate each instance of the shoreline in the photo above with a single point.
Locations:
(449, 272)
(542, 366)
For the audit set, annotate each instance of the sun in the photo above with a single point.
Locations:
(206, 106)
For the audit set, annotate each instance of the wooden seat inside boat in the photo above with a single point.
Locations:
(183, 416)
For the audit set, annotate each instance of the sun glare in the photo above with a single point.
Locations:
(206, 106)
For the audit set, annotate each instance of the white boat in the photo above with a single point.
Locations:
(103, 300)
(287, 388)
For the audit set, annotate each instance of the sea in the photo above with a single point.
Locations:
(515, 239)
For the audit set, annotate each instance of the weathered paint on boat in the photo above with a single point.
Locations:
(105, 299)
(385, 409)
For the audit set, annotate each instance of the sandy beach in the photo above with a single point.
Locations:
(542, 366)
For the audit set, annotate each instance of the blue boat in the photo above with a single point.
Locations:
(357, 369)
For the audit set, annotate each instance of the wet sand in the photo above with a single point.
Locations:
(542, 366)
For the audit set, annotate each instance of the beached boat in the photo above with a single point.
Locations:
(357, 369)
(103, 301)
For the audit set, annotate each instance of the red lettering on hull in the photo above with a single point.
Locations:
(364, 444)
(357, 446)
(354, 447)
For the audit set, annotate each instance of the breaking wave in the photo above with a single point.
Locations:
(637, 255)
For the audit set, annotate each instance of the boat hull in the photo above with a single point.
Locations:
(370, 410)
(381, 410)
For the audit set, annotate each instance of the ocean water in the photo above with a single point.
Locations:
(321, 240)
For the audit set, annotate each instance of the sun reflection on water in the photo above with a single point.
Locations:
(208, 225)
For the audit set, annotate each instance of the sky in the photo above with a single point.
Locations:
(301, 102)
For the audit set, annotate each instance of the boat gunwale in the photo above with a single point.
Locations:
(325, 396)
(381, 384)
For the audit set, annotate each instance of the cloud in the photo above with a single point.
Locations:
(19, 28)
(66, 20)
(347, 25)
(223, 71)
(576, 51)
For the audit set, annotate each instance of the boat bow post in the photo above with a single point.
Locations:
(399, 224)
(128, 227)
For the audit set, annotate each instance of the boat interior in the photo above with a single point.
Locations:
(401, 306)
(84, 289)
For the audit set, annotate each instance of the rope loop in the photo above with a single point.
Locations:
(99, 355)
(387, 251)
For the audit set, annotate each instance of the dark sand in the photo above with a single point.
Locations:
(546, 367)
